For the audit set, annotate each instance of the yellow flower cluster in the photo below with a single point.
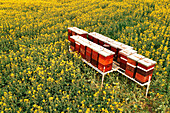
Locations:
(39, 74)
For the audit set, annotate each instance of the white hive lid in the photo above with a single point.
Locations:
(147, 62)
(99, 36)
(123, 46)
(78, 38)
(77, 30)
(96, 47)
(82, 40)
(94, 34)
(127, 52)
(105, 52)
(136, 57)
(128, 47)
(75, 37)
(119, 45)
(110, 40)
(90, 44)
(112, 43)
(103, 38)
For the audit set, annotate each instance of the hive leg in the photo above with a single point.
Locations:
(148, 86)
(102, 80)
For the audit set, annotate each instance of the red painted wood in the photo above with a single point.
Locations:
(88, 58)
(125, 57)
(107, 46)
(90, 38)
(83, 35)
(142, 78)
(141, 65)
(114, 49)
(144, 73)
(123, 65)
(104, 68)
(83, 47)
(129, 73)
(131, 61)
(101, 43)
(77, 47)
(82, 53)
(72, 48)
(95, 40)
(105, 60)
(88, 50)
(95, 55)
(73, 33)
(94, 63)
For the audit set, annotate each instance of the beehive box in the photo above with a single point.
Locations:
(121, 46)
(105, 60)
(93, 37)
(72, 43)
(76, 40)
(113, 47)
(89, 51)
(99, 39)
(103, 40)
(123, 54)
(76, 31)
(131, 66)
(145, 69)
(83, 44)
(95, 54)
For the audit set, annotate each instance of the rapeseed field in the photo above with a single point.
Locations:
(39, 74)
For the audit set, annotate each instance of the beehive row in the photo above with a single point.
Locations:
(135, 65)
(95, 54)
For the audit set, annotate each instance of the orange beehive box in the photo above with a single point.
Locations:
(105, 60)
(130, 70)
(113, 45)
(123, 56)
(93, 37)
(121, 46)
(126, 52)
(102, 40)
(96, 38)
(95, 54)
(77, 47)
(76, 31)
(83, 44)
(104, 68)
(131, 66)
(146, 63)
(83, 51)
(72, 43)
(99, 39)
(145, 69)
(89, 52)
(132, 59)
(75, 39)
